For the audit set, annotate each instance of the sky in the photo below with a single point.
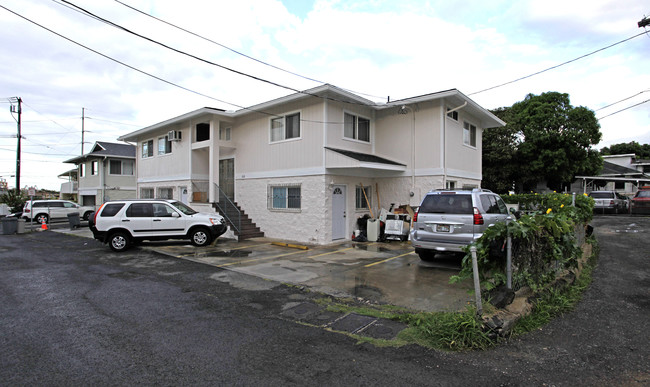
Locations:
(375, 48)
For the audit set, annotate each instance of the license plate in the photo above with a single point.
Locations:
(443, 228)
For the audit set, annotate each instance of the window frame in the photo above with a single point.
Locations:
(159, 190)
(272, 199)
(453, 115)
(225, 134)
(147, 146)
(470, 130)
(122, 163)
(284, 127)
(360, 199)
(148, 189)
(167, 145)
(355, 128)
(94, 168)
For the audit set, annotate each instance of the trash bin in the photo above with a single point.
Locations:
(9, 226)
(20, 228)
(373, 230)
(73, 220)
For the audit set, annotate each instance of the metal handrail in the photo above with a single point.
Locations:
(226, 207)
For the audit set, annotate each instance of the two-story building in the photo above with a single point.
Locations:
(105, 173)
(304, 167)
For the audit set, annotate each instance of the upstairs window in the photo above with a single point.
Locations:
(147, 149)
(164, 145)
(285, 128)
(355, 127)
(121, 167)
(453, 115)
(469, 134)
(202, 132)
(224, 134)
(82, 170)
(94, 168)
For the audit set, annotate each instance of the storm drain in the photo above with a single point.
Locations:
(352, 323)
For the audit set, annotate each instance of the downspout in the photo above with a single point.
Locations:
(444, 139)
(102, 181)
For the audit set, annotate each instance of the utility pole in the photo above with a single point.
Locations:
(644, 22)
(19, 112)
(83, 110)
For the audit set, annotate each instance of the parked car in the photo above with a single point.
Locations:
(609, 201)
(41, 211)
(641, 201)
(121, 223)
(448, 220)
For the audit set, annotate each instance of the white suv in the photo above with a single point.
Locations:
(120, 223)
(41, 211)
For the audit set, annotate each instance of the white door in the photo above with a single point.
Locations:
(338, 212)
(183, 191)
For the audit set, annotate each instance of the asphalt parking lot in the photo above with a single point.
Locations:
(385, 273)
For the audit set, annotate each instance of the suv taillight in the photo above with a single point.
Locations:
(27, 210)
(96, 213)
(478, 218)
(415, 216)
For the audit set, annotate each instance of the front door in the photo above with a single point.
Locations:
(338, 212)
(227, 177)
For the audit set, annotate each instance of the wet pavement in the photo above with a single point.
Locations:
(384, 273)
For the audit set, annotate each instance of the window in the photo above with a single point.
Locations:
(202, 132)
(165, 193)
(140, 210)
(453, 115)
(355, 127)
(147, 149)
(146, 193)
(224, 134)
(111, 210)
(469, 134)
(82, 170)
(120, 167)
(450, 184)
(94, 168)
(284, 128)
(69, 205)
(162, 210)
(284, 197)
(164, 145)
(360, 200)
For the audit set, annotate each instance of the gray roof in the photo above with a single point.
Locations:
(610, 169)
(364, 157)
(103, 149)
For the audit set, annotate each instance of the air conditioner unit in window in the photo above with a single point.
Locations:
(174, 135)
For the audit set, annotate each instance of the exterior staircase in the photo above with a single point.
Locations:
(248, 228)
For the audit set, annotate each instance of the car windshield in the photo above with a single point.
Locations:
(602, 195)
(643, 194)
(183, 208)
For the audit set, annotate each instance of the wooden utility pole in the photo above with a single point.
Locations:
(83, 117)
(19, 111)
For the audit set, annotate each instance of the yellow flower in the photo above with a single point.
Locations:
(562, 206)
(549, 210)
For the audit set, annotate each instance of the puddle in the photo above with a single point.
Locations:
(228, 254)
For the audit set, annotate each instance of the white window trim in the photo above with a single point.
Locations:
(284, 116)
(363, 199)
(159, 189)
(356, 128)
(94, 171)
(455, 112)
(171, 149)
(269, 195)
(147, 188)
(469, 145)
(121, 167)
(142, 149)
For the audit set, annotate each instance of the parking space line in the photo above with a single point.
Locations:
(261, 259)
(388, 259)
(337, 251)
(249, 246)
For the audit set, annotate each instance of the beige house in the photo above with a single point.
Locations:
(105, 173)
(304, 167)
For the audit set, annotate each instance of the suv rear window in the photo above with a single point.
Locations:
(111, 209)
(602, 195)
(140, 210)
(447, 204)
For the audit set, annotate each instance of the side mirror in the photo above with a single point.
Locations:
(176, 215)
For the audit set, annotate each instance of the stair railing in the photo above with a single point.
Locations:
(228, 209)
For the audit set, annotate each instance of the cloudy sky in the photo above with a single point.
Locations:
(377, 48)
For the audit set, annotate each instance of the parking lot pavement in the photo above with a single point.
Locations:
(386, 273)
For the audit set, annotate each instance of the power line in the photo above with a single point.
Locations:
(624, 99)
(622, 110)
(206, 60)
(559, 65)
(235, 51)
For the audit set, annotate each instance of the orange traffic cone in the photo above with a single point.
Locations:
(43, 226)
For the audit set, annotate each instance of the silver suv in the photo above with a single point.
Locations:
(610, 201)
(448, 220)
(41, 211)
(121, 223)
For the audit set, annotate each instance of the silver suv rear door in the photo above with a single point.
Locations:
(494, 210)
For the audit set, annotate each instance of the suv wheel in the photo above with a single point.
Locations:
(200, 236)
(87, 215)
(426, 255)
(118, 241)
(41, 218)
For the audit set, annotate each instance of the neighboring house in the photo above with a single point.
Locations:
(105, 173)
(70, 189)
(622, 173)
(306, 166)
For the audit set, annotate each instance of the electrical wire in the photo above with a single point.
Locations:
(622, 110)
(235, 51)
(556, 66)
(624, 99)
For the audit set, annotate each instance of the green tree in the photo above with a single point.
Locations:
(14, 199)
(553, 142)
(499, 150)
(633, 147)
